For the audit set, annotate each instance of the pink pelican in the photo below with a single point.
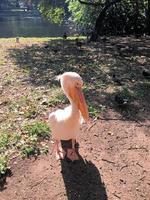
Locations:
(65, 124)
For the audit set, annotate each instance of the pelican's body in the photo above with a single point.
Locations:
(65, 123)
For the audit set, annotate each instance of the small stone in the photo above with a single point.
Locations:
(91, 149)
(110, 133)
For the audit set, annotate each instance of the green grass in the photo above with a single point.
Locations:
(8, 141)
(4, 141)
(126, 94)
(1, 62)
(57, 97)
(28, 150)
(93, 112)
(35, 132)
(142, 90)
(36, 39)
(3, 164)
(29, 143)
(38, 129)
(31, 111)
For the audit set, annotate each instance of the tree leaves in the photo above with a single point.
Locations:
(52, 13)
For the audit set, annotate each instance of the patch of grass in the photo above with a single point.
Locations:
(44, 149)
(39, 129)
(8, 79)
(31, 111)
(32, 147)
(1, 62)
(22, 101)
(28, 150)
(24, 106)
(4, 141)
(57, 97)
(3, 164)
(126, 94)
(94, 111)
(7, 141)
(28, 144)
(35, 132)
(142, 90)
(15, 139)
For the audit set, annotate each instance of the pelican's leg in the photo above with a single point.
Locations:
(73, 144)
(60, 153)
(71, 153)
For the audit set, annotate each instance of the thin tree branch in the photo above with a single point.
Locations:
(90, 3)
(107, 3)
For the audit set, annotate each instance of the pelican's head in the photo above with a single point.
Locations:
(72, 83)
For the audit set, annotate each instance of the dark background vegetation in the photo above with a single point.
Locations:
(109, 17)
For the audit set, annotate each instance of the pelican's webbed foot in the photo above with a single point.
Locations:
(72, 155)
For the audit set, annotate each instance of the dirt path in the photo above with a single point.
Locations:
(114, 165)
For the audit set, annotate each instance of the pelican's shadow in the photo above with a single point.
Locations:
(82, 180)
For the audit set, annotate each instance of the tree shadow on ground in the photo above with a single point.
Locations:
(82, 180)
(96, 63)
(44, 62)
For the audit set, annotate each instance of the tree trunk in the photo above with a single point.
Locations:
(100, 20)
(148, 18)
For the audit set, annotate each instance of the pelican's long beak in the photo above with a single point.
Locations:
(77, 95)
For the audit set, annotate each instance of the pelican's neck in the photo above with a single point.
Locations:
(74, 109)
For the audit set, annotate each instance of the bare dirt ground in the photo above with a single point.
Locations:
(114, 153)
(114, 165)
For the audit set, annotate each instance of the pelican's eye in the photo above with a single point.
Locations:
(79, 84)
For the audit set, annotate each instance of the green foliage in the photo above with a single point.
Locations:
(142, 90)
(57, 97)
(44, 149)
(31, 112)
(16, 138)
(126, 17)
(7, 141)
(93, 111)
(84, 16)
(54, 14)
(29, 150)
(37, 129)
(3, 164)
(4, 141)
(26, 106)
(126, 94)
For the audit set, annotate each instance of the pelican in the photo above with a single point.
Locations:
(65, 123)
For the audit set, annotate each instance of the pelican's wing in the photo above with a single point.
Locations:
(56, 116)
